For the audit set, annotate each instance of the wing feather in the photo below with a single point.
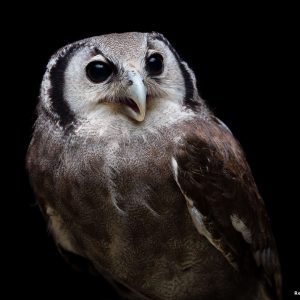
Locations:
(222, 198)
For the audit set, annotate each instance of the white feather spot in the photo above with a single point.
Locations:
(175, 171)
(58, 229)
(175, 168)
(197, 217)
(223, 125)
(240, 226)
(198, 220)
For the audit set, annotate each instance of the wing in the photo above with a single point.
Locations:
(222, 198)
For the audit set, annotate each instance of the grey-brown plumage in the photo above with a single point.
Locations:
(136, 175)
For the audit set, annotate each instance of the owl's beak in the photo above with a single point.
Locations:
(137, 93)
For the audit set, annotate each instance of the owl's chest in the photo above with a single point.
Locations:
(131, 155)
(135, 167)
(139, 156)
(123, 192)
(118, 195)
(132, 200)
(119, 174)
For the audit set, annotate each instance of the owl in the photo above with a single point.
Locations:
(137, 177)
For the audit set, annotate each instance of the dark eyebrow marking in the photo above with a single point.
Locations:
(188, 82)
(66, 116)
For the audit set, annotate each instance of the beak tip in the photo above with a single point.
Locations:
(140, 117)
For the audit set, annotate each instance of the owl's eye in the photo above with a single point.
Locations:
(98, 71)
(154, 64)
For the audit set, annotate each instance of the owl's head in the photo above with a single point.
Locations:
(125, 74)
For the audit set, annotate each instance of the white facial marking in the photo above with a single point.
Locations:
(240, 226)
(46, 83)
(108, 122)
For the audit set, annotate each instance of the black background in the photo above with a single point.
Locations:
(240, 57)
